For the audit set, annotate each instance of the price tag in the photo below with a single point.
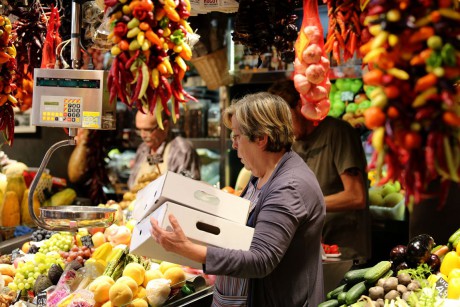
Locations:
(15, 254)
(41, 299)
(347, 96)
(441, 286)
(87, 241)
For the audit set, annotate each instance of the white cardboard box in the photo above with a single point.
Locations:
(191, 193)
(198, 226)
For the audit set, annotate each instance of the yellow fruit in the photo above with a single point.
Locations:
(10, 210)
(151, 274)
(120, 294)
(97, 266)
(100, 289)
(136, 271)
(176, 275)
(139, 303)
(164, 265)
(131, 224)
(26, 219)
(107, 304)
(455, 273)
(131, 283)
(98, 239)
(106, 279)
(25, 247)
(17, 184)
(103, 252)
(141, 292)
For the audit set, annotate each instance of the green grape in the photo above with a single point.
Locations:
(13, 286)
(31, 280)
(30, 274)
(21, 286)
(27, 286)
(36, 274)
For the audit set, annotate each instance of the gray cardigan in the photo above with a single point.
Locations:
(284, 261)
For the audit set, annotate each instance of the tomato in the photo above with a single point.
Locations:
(334, 249)
(412, 140)
(392, 112)
(374, 117)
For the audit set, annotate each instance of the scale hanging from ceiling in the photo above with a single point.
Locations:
(72, 99)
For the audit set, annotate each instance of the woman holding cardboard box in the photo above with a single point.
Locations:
(283, 265)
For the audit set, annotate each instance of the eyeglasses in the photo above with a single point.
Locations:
(146, 131)
(235, 137)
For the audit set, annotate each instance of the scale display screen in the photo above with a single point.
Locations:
(67, 82)
(72, 98)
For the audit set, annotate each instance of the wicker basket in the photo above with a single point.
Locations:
(213, 68)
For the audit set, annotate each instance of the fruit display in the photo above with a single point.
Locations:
(419, 273)
(348, 101)
(95, 264)
(387, 195)
(413, 60)
(150, 47)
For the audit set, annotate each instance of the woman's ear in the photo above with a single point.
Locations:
(262, 141)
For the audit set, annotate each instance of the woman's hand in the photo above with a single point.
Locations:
(176, 241)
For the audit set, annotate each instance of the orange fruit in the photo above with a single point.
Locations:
(228, 189)
(374, 117)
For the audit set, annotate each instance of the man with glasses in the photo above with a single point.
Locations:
(161, 150)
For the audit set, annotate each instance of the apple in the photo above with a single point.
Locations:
(351, 108)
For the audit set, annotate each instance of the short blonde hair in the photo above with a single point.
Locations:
(260, 114)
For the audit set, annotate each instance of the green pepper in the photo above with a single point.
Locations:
(177, 37)
(164, 22)
(435, 59)
(187, 290)
(448, 55)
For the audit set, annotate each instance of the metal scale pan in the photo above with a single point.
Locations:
(77, 216)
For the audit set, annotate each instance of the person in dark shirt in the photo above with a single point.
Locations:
(333, 150)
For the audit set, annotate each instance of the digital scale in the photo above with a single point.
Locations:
(72, 99)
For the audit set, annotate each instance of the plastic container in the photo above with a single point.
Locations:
(396, 213)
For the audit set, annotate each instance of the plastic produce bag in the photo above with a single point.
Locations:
(158, 291)
(311, 66)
